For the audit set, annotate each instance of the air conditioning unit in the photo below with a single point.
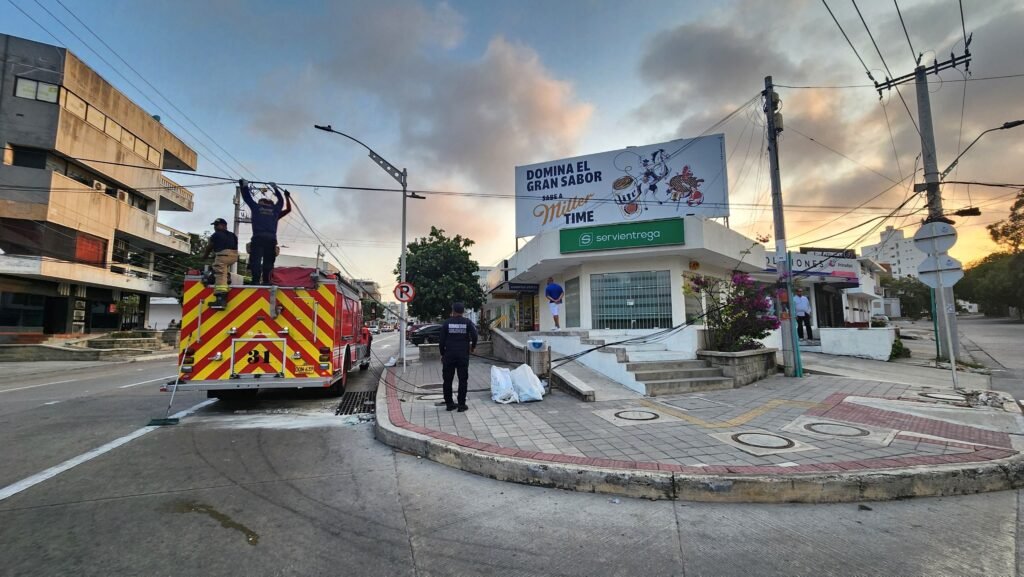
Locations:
(97, 185)
(122, 195)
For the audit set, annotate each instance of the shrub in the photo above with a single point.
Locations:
(899, 351)
(737, 312)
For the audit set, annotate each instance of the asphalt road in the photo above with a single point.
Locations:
(281, 486)
(999, 342)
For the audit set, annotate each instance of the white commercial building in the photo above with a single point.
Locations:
(896, 251)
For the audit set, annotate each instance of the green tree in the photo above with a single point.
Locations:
(995, 283)
(1010, 231)
(442, 271)
(915, 296)
(371, 310)
(174, 266)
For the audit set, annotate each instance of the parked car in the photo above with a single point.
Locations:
(374, 330)
(426, 334)
(879, 321)
(413, 328)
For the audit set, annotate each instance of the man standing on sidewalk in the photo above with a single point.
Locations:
(223, 245)
(554, 293)
(802, 307)
(457, 340)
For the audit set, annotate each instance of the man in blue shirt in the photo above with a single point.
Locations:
(554, 294)
(263, 217)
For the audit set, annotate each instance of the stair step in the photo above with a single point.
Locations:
(642, 347)
(645, 356)
(634, 366)
(675, 374)
(676, 386)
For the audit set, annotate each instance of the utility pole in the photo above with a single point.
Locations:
(784, 292)
(946, 335)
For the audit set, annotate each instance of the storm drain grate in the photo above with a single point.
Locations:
(357, 402)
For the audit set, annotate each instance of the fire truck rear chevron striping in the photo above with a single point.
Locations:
(306, 331)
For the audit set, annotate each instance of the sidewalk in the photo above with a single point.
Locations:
(816, 439)
(904, 373)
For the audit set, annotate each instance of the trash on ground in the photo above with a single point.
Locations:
(526, 384)
(502, 390)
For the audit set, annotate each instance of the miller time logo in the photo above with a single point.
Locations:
(586, 239)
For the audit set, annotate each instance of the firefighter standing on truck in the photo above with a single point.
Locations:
(455, 343)
(263, 218)
(223, 245)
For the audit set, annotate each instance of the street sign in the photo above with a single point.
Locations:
(404, 292)
(935, 237)
(940, 267)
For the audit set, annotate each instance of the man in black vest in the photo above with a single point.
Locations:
(456, 342)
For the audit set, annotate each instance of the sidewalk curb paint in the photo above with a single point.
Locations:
(803, 484)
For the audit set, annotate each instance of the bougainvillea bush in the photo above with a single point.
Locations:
(737, 312)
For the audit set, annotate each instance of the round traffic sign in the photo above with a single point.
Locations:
(935, 237)
(404, 292)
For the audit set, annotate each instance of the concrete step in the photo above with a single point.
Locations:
(675, 374)
(634, 366)
(629, 348)
(676, 386)
(645, 356)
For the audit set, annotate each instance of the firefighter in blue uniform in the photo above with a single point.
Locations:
(456, 342)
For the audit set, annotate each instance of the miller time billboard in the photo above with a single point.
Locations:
(667, 180)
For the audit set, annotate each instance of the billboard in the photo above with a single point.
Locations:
(667, 180)
(820, 264)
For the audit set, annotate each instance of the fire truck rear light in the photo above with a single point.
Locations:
(325, 366)
(325, 355)
(186, 368)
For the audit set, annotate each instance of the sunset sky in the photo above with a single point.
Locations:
(461, 92)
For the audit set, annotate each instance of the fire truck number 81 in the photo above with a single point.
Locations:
(256, 358)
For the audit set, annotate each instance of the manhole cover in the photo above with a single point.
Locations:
(634, 415)
(837, 430)
(763, 440)
(944, 397)
(431, 397)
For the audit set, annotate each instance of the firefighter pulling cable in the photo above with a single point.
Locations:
(264, 215)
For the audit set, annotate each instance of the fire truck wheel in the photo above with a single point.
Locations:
(338, 388)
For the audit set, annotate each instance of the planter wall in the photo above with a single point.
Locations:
(744, 367)
(866, 343)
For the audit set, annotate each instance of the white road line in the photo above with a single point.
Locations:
(15, 488)
(34, 386)
(144, 382)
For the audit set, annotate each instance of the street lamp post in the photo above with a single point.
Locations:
(1006, 125)
(402, 176)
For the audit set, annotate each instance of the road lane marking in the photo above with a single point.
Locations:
(34, 386)
(144, 382)
(28, 482)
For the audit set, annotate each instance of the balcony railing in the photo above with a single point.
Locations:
(174, 233)
(175, 194)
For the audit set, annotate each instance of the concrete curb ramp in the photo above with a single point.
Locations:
(648, 481)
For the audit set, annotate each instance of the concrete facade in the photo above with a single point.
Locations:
(897, 251)
(81, 245)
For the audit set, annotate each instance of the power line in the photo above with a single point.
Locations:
(913, 53)
(884, 64)
(852, 47)
(844, 86)
(830, 149)
(155, 89)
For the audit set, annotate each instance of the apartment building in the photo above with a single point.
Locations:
(896, 251)
(81, 192)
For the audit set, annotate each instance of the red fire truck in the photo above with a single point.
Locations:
(304, 331)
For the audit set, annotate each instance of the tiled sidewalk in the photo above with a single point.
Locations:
(777, 426)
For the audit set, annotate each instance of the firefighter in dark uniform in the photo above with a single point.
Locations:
(457, 340)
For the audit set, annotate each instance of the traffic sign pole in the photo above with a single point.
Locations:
(949, 335)
(938, 271)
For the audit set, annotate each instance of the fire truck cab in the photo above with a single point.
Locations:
(304, 331)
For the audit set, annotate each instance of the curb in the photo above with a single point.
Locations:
(869, 485)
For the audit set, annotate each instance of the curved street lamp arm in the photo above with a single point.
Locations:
(952, 165)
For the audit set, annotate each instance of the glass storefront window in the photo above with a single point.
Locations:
(631, 300)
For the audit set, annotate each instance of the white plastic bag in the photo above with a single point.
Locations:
(502, 390)
(527, 385)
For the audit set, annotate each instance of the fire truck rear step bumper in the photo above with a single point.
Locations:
(262, 383)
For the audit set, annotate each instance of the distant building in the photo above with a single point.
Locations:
(481, 275)
(81, 245)
(370, 288)
(896, 251)
(163, 310)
